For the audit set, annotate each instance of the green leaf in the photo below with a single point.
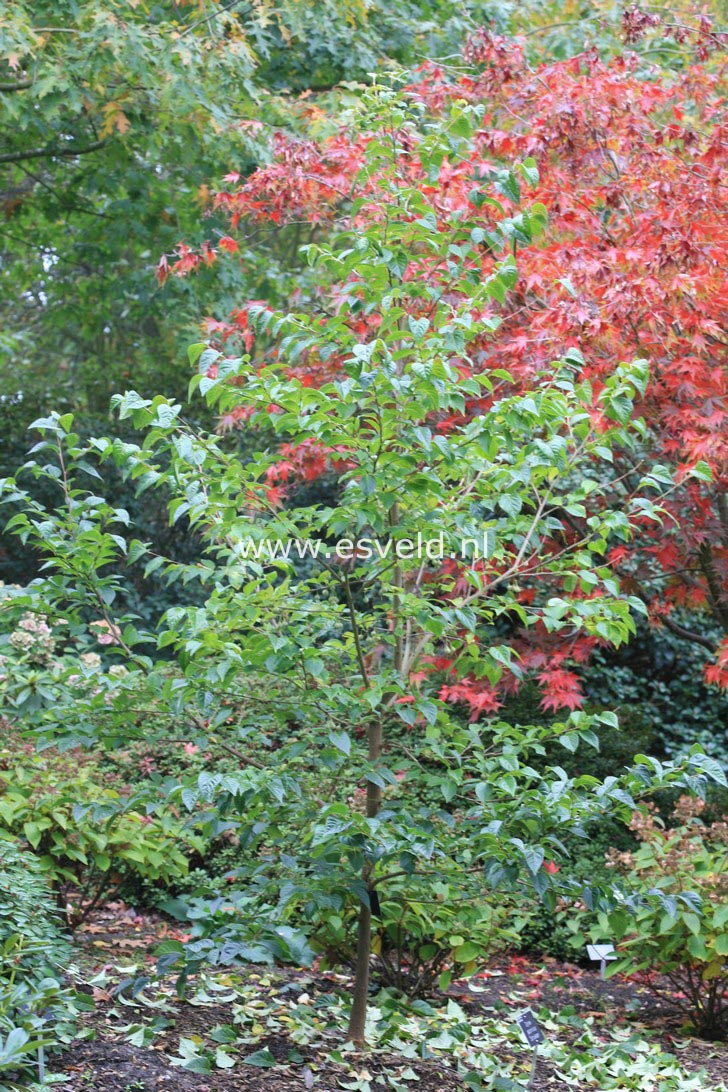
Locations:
(534, 858)
(198, 1065)
(418, 327)
(720, 917)
(224, 1033)
(466, 952)
(342, 741)
(697, 948)
(693, 923)
(224, 1060)
(507, 184)
(529, 170)
(261, 1058)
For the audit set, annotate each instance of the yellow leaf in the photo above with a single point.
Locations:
(122, 122)
(114, 118)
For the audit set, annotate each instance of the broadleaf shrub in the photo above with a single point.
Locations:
(90, 839)
(425, 934)
(36, 1008)
(674, 923)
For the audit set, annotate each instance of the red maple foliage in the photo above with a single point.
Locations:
(634, 176)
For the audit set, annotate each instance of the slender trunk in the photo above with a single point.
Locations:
(375, 740)
(717, 600)
(358, 1016)
(357, 1020)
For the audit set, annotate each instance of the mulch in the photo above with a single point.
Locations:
(118, 1067)
(108, 1062)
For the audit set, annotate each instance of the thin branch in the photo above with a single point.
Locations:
(687, 634)
(214, 15)
(716, 594)
(355, 630)
(722, 506)
(51, 153)
(21, 85)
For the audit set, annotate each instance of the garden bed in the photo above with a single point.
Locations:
(274, 1030)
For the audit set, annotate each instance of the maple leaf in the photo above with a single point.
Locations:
(716, 673)
(162, 270)
(561, 689)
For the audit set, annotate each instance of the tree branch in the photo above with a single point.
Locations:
(214, 14)
(21, 85)
(51, 153)
(722, 506)
(716, 594)
(687, 634)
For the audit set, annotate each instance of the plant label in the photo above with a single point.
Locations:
(601, 954)
(598, 952)
(531, 1031)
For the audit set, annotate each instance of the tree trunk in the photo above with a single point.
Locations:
(358, 1016)
(375, 740)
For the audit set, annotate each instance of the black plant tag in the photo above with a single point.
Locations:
(531, 1031)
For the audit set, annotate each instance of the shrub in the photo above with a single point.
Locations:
(555, 932)
(36, 1009)
(675, 921)
(88, 851)
(658, 682)
(544, 930)
(425, 935)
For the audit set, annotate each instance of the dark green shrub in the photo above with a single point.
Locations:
(36, 1009)
(655, 684)
(425, 935)
(547, 932)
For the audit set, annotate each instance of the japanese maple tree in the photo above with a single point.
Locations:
(632, 176)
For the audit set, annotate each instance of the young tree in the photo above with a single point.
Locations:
(344, 623)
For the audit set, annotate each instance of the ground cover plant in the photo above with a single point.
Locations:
(37, 1008)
